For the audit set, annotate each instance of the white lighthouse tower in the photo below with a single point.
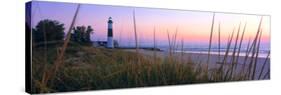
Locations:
(110, 34)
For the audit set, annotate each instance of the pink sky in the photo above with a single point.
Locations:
(193, 26)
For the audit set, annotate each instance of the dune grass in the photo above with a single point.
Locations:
(78, 67)
(88, 68)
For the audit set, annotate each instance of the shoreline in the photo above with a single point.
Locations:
(241, 54)
(213, 59)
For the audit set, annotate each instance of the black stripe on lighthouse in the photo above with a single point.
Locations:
(109, 29)
(109, 34)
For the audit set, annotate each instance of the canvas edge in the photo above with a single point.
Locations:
(28, 84)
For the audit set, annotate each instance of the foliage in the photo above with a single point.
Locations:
(81, 34)
(48, 30)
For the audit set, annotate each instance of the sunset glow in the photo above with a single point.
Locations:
(193, 27)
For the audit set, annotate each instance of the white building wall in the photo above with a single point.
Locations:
(110, 42)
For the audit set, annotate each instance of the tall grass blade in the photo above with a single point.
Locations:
(240, 44)
(154, 45)
(254, 50)
(219, 41)
(135, 31)
(263, 66)
(228, 47)
(182, 50)
(210, 42)
(234, 51)
(175, 40)
(169, 41)
(59, 61)
(267, 74)
(257, 55)
(221, 69)
(248, 49)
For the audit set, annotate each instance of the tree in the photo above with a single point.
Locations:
(88, 33)
(82, 34)
(48, 30)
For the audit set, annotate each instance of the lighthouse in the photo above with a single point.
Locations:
(110, 34)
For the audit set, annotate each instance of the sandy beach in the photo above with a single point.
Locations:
(214, 61)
